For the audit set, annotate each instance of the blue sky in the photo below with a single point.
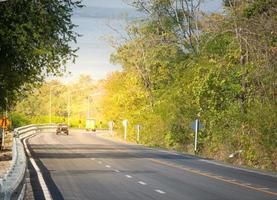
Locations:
(93, 24)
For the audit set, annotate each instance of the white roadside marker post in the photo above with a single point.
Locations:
(125, 124)
(111, 124)
(138, 127)
(196, 126)
(196, 135)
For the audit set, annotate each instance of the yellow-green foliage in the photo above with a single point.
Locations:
(173, 72)
(227, 78)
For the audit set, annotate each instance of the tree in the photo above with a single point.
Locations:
(224, 73)
(179, 17)
(35, 41)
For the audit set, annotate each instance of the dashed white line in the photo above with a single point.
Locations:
(92, 158)
(100, 162)
(108, 166)
(116, 170)
(142, 183)
(128, 176)
(160, 191)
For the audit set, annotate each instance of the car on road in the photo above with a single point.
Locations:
(62, 128)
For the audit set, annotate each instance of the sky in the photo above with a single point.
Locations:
(94, 22)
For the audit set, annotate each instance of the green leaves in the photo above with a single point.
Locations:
(34, 43)
(223, 73)
(226, 83)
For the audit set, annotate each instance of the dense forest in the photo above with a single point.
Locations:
(180, 63)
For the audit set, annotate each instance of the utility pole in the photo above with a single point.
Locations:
(50, 106)
(68, 108)
(88, 112)
(50, 101)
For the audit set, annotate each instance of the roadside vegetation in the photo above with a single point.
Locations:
(180, 64)
(35, 42)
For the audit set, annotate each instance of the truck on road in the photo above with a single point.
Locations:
(90, 125)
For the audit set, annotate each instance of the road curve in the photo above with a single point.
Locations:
(84, 166)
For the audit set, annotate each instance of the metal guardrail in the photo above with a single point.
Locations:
(12, 184)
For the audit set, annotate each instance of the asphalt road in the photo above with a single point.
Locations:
(84, 166)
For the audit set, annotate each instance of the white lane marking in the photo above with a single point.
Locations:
(116, 170)
(92, 158)
(108, 166)
(237, 168)
(168, 152)
(264, 188)
(27, 150)
(160, 191)
(42, 183)
(142, 183)
(128, 176)
(100, 162)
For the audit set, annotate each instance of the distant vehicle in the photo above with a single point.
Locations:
(90, 125)
(62, 128)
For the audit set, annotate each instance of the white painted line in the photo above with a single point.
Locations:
(116, 170)
(27, 150)
(100, 162)
(92, 158)
(142, 183)
(168, 152)
(128, 176)
(264, 188)
(108, 166)
(238, 168)
(160, 191)
(42, 183)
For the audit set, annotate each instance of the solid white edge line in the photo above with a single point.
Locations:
(42, 183)
(264, 188)
(237, 168)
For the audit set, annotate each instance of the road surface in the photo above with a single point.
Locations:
(84, 166)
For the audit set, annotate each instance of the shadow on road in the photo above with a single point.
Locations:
(37, 190)
(56, 151)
